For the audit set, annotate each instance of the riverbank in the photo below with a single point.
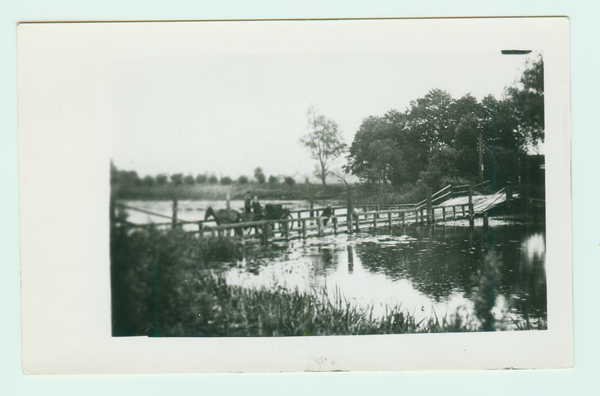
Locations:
(235, 191)
(166, 283)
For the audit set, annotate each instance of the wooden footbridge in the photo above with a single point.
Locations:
(450, 203)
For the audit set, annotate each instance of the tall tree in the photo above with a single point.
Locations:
(325, 141)
(527, 100)
(431, 117)
(259, 175)
(377, 152)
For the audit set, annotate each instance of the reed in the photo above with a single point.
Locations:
(167, 283)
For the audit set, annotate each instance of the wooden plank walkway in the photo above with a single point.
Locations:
(481, 203)
(305, 223)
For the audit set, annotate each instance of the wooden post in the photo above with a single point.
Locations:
(331, 218)
(422, 216)
(320, 226)
(444, 213)
(508, 195)
(266, 232)
(485, 221)
(403, 218)
(480, 159)
(228, 198)
(212, 233)
(390, 219)
(312, 214)
(375, 216)
(462, 208)
(471, 211)
(429, 207)
(201, 229)
(286, 227)
(304, 229)
(349, 212)
(357, 223)
(174, 221)
(454, 212)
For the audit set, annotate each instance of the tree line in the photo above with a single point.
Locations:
(435, 141)
(131, 178)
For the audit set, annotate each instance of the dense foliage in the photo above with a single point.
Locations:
(435, 141)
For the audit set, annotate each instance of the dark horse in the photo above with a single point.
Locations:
(278, 212)
(224, 216)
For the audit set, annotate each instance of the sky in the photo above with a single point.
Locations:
(228, 114)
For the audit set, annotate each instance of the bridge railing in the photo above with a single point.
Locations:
(463, 190)
(308, 220)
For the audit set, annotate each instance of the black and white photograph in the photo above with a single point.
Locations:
(261, 195)
(321, 180)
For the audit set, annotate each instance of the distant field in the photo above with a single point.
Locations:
(236, 191)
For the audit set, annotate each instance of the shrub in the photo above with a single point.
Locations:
(177, 179)
(290, 181)
(201, 179)
(226, 180)
(149, 181)
(273, 180)
(213, 179)
(243, 179)
(189, 179)
(161, 179)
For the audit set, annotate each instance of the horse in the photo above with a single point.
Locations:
(224, 216)
(278, 212)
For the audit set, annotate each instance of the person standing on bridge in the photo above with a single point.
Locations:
(248, 202)
(256, 208)
(327, 213)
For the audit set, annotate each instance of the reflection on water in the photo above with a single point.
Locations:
(494, 278)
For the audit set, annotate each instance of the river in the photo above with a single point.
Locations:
(493, 278)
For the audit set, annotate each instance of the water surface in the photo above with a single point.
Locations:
(494, 279)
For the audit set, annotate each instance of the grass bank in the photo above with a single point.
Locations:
(207, 191)
(167, 283)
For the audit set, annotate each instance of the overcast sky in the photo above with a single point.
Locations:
(228, 114)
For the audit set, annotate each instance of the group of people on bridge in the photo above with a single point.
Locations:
(251, 205)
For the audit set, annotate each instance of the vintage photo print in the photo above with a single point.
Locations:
(296, 195)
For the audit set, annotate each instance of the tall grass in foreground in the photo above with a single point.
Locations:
(168, 284)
